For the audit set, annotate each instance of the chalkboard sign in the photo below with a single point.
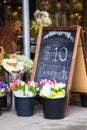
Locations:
(55, 54)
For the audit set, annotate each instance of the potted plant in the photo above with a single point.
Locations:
(2, 93)
(53, 99)
(24, 96)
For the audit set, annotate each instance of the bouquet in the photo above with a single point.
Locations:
(2, 88)
(23, 89)
(41, 19)
(12, 65)
(51, 89)
(27, 63)
(18, 63)
(33, 87)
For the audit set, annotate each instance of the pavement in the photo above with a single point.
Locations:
(75, 120)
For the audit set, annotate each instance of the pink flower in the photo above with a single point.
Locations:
(50, 82)
(32, 83)
(42, 82)
(54, 81)
(28, 82)
(13, 85)
(36, 84)
(18, 82)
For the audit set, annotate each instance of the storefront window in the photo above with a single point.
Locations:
(13, 10)
(64, 12)
(76, 12)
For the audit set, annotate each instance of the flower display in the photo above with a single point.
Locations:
(21, 64)
(27, 63)
(41, 19)
(2, 88)
(52, 89)
(11, 65)
(17, 27)
(23, 89)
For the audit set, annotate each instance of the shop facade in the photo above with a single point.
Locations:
(62, 13)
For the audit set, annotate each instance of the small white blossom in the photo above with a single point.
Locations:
(27, 63)
(46, 89)
(37, 13)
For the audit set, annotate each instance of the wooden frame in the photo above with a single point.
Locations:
(78, 35)
(79, 82)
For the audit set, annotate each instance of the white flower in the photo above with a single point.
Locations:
(46, 89)
(59, 85)
(32, 83)
(42, 18)
(27, 63)
(44, 14)
(39, 21)
(46, 21)
(37, 13)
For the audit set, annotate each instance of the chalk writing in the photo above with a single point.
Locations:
(47, 53)
(60, 53)
(54, 71)
(59, 33)
(65, 51)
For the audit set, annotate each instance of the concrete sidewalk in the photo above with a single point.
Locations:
(75, 120)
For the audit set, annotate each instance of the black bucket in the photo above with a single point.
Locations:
(53, 108)
(83, 100)
(24, 106)
(1, 104)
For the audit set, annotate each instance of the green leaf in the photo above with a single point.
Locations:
(6, 56)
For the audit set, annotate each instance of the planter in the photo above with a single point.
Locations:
(5, 101)
(83, 100)
(24, 106)
(53, 108)
(1, 104)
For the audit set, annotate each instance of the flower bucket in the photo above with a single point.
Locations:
(53, 108)
(24, 106)
(1, 104)
(83, 100)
